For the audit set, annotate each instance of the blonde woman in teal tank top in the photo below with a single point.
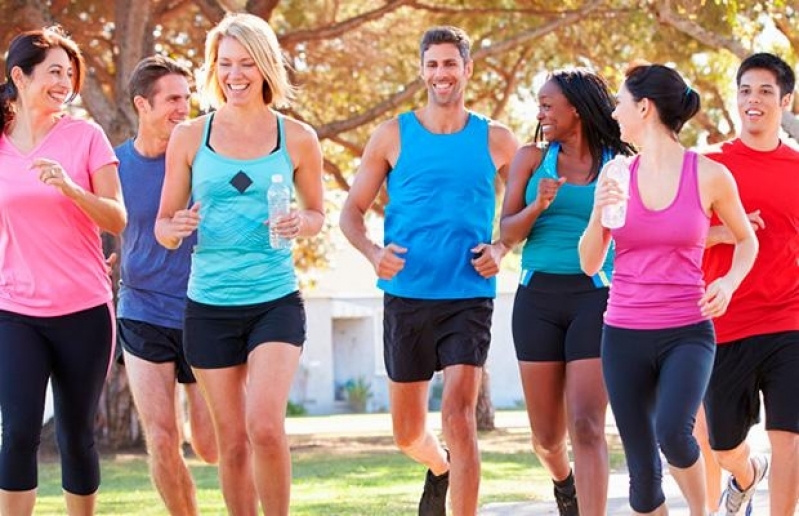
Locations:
(245, 323)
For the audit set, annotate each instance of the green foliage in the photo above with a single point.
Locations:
(359, 392)
(295, 409)
(348, 475)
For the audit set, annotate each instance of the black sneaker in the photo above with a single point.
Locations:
(434, 497)
(567, 501)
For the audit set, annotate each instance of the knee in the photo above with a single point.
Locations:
(679, 447)
(266, 434)
(458, 420)
(408, 439)
(21, 439)
(588, 432)
(549, 443)
(162, 442)
(204, 446)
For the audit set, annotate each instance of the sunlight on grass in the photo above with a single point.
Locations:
(333, 476)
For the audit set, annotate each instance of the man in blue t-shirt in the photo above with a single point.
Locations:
(437, 265)
(152, 291)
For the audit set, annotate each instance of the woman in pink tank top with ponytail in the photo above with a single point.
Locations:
(658, 343)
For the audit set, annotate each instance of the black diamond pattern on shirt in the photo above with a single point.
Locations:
(241, 181)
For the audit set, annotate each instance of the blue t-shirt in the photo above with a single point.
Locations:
(153, 279)
(552, 245)
(441, 204)
(233, 263)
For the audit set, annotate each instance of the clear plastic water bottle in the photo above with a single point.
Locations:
(614, 215)
(278, 197)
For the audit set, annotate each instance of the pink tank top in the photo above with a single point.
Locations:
(657, 272)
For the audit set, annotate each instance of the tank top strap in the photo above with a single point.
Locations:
(689, 180)
(207, 131)
(549, 165)
(281, 130)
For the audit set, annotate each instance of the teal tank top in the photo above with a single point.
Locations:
(232, 263)
(551, 246)
(441, 204)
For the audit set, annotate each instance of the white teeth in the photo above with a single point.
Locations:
(237, 87)
(753, 112)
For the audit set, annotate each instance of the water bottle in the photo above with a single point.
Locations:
(278, 197)
(613, 215)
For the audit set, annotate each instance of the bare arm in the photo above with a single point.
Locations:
(377, 160)
(174, 222)
(104, 204)
(306, 154)
(726, 203)
(595, 242)
(503, 146)
(721, 234)
(517, 219)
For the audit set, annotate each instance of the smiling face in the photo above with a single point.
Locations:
(49, 85)
(445, 74)
(558, 119)
(760, 103)
(628, 114)
(239, 77)
(168, 107)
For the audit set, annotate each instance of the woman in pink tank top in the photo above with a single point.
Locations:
(658, 343)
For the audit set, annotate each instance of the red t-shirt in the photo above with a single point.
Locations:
(768, 299)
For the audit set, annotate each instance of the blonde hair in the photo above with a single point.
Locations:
(260, 41)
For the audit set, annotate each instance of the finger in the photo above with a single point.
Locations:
(195, 208)
(394, 248)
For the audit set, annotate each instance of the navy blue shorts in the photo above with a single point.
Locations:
(157, 344)
(422, 336)
(223, 336)
(742, 370)
(558, 318)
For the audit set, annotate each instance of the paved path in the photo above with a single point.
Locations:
(617, 491)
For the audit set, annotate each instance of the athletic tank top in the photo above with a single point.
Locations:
(657, 277)
(232, 263)
(441, 204)
(552, 243)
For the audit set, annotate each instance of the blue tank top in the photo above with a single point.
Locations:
(551, 246)
(441, 204)
(233, 263)
(153, 279)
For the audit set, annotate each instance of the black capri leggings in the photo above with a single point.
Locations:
(72, 351)
(656, 380)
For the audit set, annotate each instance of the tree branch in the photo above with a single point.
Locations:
(666, 16)
(338, 29)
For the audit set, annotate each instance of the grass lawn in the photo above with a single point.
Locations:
(333, 476)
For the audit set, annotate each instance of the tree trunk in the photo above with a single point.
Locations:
(485, 409)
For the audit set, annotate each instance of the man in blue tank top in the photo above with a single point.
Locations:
(152, 293)
(437, 265)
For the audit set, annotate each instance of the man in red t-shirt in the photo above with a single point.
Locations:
(758, 336)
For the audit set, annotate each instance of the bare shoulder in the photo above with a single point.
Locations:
(713, 174)
(501, 134)
(190, 132)
(299, 131)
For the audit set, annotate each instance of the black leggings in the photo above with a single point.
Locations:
(72, 351)
(656, 380)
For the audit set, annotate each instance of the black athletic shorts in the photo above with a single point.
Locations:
(422, 336)
(743, 369)
(223, 336)
(558, 318)
(155, 343)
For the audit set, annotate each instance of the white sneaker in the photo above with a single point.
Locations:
(737, 502)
